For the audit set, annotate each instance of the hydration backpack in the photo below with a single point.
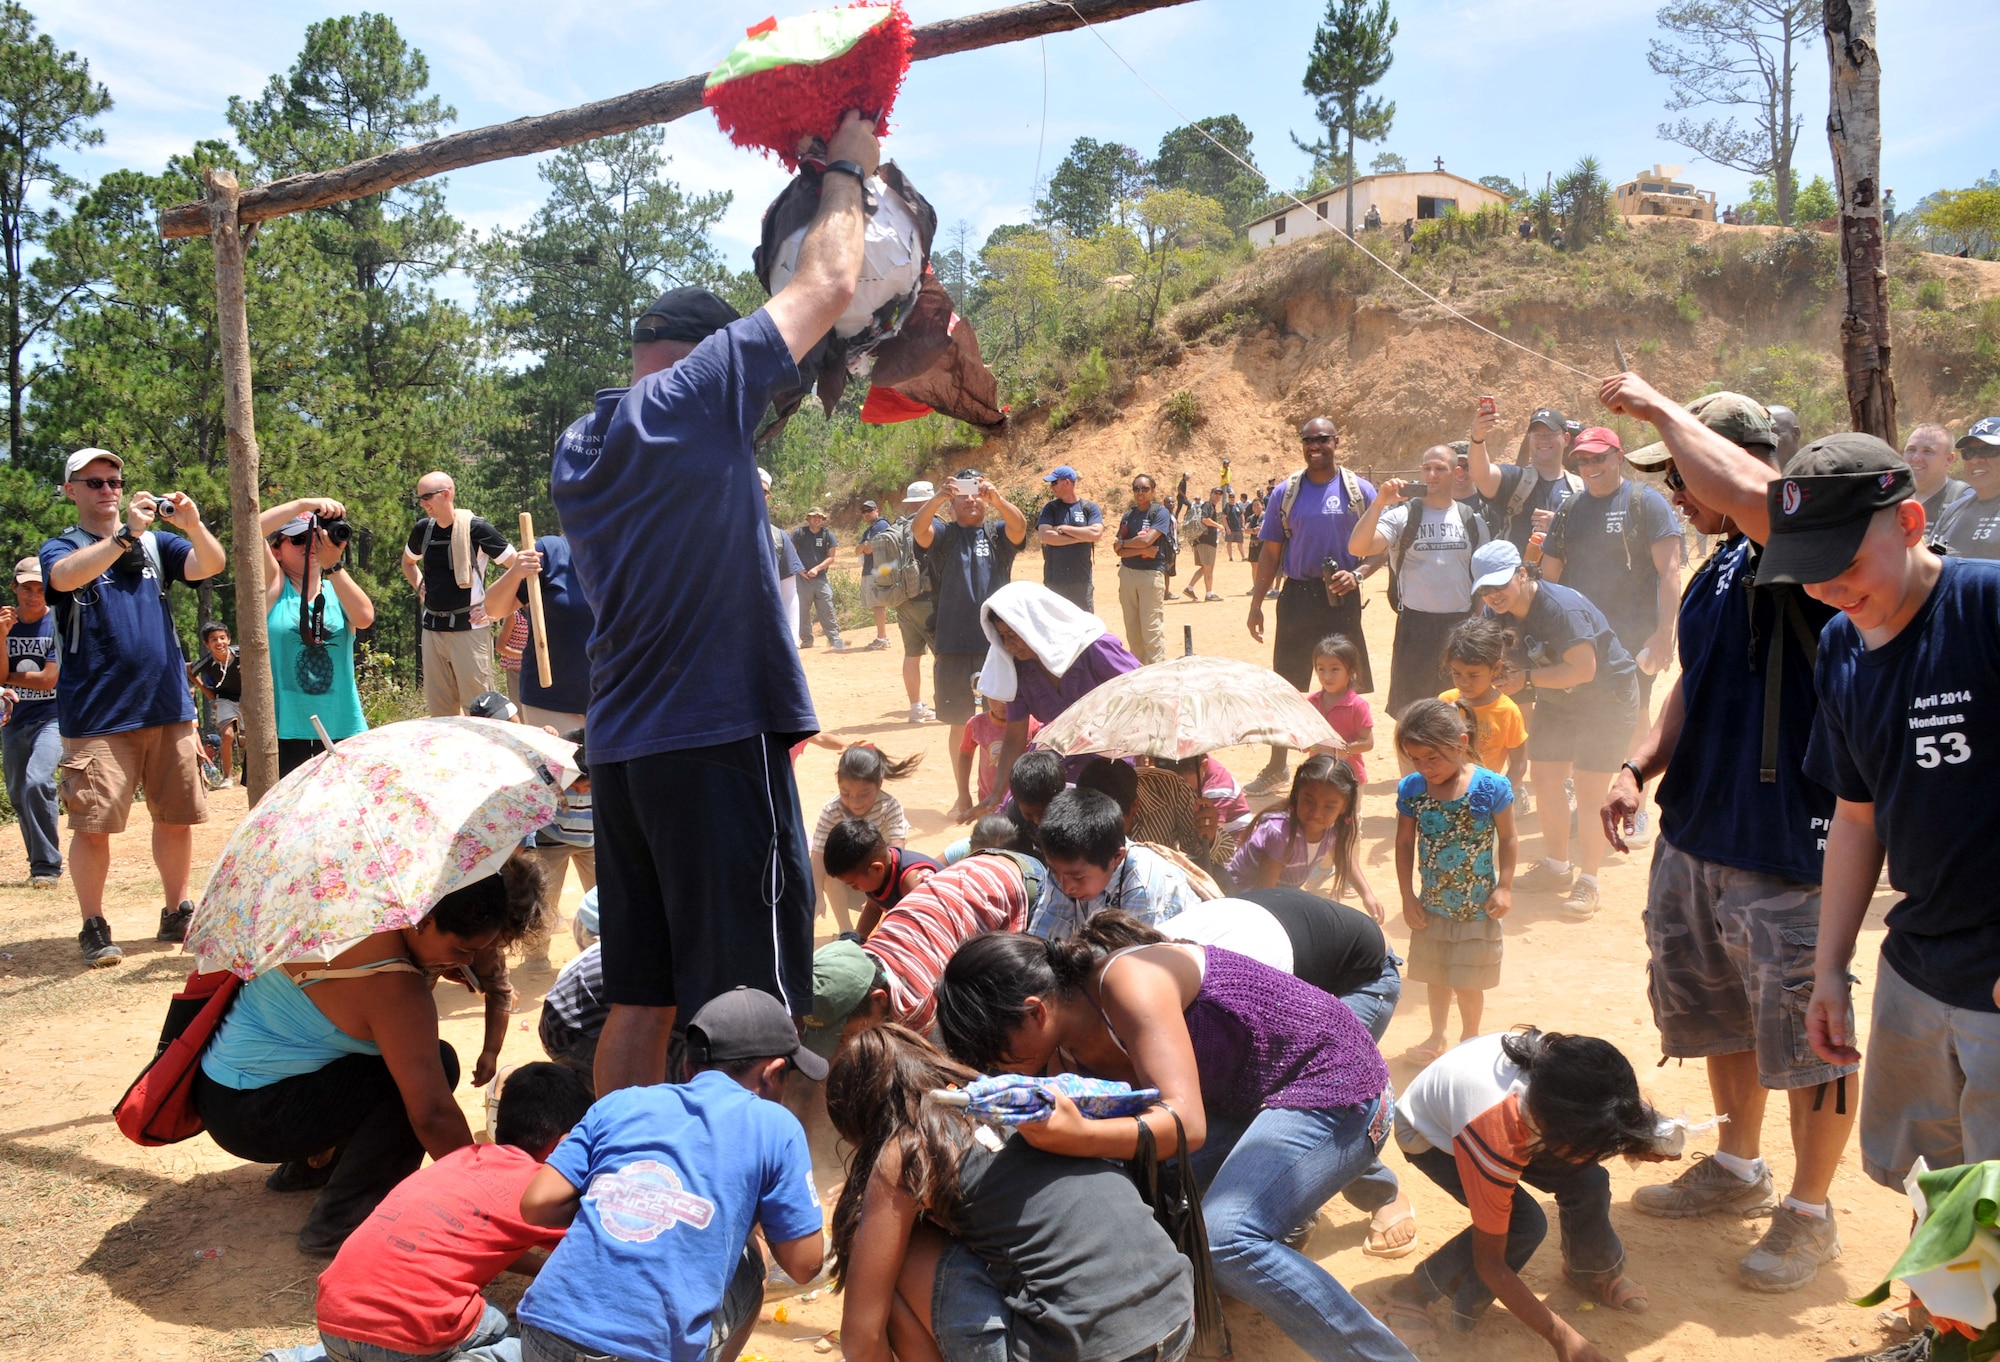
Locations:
(899, 564)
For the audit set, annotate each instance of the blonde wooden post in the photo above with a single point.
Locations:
(232, 324)
(535, 605)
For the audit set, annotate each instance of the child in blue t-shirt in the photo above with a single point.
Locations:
(659, 1189)
(1455, 821)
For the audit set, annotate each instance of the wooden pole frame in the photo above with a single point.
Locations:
(1854, 133)
(232, 324)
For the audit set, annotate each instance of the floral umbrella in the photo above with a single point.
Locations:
(1186, 707)
(368, 837)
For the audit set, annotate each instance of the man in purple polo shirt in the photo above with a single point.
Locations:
(1045, 655)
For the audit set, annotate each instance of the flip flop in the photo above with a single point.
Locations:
(1409, 1322)
(1621, 1293)
(1425, 1054)
(1377, 1244)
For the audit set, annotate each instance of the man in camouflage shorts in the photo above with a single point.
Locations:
(1733, 907)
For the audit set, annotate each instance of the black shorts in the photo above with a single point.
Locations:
(1592, 732)
(1304, 618)
(1416, 665)
(951, 677)
(702, 877)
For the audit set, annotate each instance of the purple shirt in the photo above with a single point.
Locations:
(1322, 523)
(1272, 839)
(1265, 1039)
(1041, 696)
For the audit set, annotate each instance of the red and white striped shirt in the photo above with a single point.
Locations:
(916, 938)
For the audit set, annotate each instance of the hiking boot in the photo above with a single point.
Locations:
(1269, 781)
(1705, 1187)
(98, 947)
(1582, 900)
(299, 1176)
(1539, 879)
(1791, 1251)
(880, 645)
(174, 922)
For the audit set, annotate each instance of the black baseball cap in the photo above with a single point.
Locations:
(684, 314)
(1551, 418)
(747, 1023)
(1821, 508)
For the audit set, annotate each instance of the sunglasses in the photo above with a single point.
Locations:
(99, 484)
(423, 497)
(1673, 479)
(1320, 439)
(1593, 460)
(1980, 452)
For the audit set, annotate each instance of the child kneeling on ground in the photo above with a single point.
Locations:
(1525, 1107)
(406, 1284)
(659, 1188)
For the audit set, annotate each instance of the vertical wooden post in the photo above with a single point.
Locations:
(246, 540)
(1854, 132)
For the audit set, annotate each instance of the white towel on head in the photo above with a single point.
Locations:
(1057, 630)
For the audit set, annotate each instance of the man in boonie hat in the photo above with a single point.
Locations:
(818, 547)
(1734, 894)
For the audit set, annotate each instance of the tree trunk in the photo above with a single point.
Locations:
(1854, 131)
(232, 323)
(1350, 174)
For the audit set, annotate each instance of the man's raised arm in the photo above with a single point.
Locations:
(830, 256)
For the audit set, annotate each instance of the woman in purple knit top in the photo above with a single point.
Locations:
(1284, 1096)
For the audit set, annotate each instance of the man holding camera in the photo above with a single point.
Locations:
(445, 563)
(121, 693)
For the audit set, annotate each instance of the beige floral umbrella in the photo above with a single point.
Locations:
(1186, 707)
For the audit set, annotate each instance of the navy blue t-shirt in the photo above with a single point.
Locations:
(127, 670)
(1155, 517)
(1612, 563)
(571, 623)
(1557, 620)
(1068, 562)
(970, 564)
(1910, 728)
(36, 642)
(667, 527)
(1713, 802)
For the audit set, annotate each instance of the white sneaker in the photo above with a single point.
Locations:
(920, 712)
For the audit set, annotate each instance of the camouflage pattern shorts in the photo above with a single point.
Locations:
(1731, 966)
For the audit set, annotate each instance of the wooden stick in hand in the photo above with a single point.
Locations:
(535, 606)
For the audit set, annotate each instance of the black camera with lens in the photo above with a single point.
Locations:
(338, 532)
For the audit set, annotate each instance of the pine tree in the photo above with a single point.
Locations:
(1350, 55)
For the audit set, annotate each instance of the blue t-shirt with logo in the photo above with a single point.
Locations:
(673, 1178)
(1912, 728)
(127, 670)
(1713, 802)
(667, 527)
(37, 643)
(570, 624)
(1068, 563)
(1322, 521)
(970, 562)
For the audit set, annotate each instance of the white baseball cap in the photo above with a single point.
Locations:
(83, 458)
(764, 476)
(917, 493)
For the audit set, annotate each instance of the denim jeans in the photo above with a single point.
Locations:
(1591, 1249)
(970, 1317)
(491, 1340)
(1374, 1003)
(351, 1106)
(729, 1329)
(1265, 1177)
(29, 755)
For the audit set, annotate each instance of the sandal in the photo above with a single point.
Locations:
(1378, 1243)
(1409, 1322)
(1425, 1054)
(1621, 1293)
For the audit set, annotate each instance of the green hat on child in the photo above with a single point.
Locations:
(842, 975)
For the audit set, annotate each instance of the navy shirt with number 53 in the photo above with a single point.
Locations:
(1913, 727)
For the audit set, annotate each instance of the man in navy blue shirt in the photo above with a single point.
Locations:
(817, 548)
(127, 719)
(1069, 528)
(31, 743)
(697, 693)
(1733, 905)
(1906, 677)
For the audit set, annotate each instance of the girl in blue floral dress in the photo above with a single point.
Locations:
(1455, 823)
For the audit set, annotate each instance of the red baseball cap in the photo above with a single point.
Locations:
(1595, 440)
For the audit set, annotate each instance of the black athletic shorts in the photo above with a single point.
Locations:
(1304, 618)
(702, 877)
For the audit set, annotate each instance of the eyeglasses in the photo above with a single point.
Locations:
(423, 497)
(1673, 480)
(1593, 460)
(99, 484)
(1979, 452)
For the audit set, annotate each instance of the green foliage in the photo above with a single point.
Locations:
(1687, 307)
(1492, 223)
(1188, 160)
(1183, 412)
(1090, 188)
(1968, 219)
(1813, 203)
(1802, 377)
(1387, 163)
(1931, 294)
(1350, 55)
(835, 458)
(1500, 184)
(1583, 203)
(389, 693)
(1091, 382)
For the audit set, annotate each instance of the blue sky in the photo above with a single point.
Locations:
(1514, 87)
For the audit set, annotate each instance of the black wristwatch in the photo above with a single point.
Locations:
(126, 537)
(846, 168)
(1638, 776)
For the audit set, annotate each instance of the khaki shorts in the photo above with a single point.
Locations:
(98, 776)
(1732, 966)
(1204, 555)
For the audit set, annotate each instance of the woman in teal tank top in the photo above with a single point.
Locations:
(340, 1065)
(314, 607)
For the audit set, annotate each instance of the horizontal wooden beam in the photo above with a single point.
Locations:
(608, 117)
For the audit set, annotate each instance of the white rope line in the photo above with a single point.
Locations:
(1042, 138)
(1336, 230)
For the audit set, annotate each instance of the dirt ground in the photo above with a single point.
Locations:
(180, 1253)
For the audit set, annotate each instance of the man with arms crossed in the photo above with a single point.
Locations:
(703, 882)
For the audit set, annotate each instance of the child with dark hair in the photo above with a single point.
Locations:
(945, 1225)
(406, 1285)
(1005, 832)
(1119, 779)
(862, 769)
(220, 676)
(1525, 1107)
(1476, 653)
(1338, 668)
(1093, 867)
(1037, 778)
(857, 855)
(660, 1187)
(1313, 837)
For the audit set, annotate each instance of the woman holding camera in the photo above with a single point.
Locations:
(314, 608)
